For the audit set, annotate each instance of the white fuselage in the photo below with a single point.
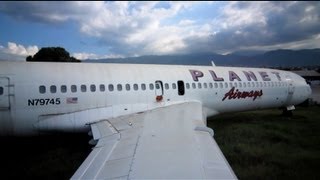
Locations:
(45, 97)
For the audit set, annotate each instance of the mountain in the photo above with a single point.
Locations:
(184, 59)
(248, 52)
(276, 58)
(289, 58)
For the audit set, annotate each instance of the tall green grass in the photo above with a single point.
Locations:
(265, 145)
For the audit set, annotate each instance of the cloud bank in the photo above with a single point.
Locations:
(15, 51)
(141, 28)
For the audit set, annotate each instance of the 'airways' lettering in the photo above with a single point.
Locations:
(236, 94)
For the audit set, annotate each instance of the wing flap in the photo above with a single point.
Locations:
(95, 161)
(112, 156)
(214, 163)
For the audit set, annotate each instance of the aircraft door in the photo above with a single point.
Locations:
(291, 89)
(180, 88)
(4, 93)
(159, 90)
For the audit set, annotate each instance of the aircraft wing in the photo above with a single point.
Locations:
(170, 142)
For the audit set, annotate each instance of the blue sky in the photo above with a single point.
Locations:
(121, 29)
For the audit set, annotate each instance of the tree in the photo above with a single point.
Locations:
(52, 54)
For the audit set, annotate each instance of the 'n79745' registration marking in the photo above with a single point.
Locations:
(43, 102)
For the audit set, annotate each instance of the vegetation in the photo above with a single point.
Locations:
(265, 145)
(52, 54)
(258, 145)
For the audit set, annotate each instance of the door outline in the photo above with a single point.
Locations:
(4, 97)
(181, 89)
(291, 89)
(159, 88)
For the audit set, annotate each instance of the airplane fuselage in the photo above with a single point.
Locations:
(46, 97)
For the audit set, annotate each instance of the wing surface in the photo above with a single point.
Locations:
(165, 143)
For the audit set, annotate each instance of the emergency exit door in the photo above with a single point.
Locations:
(290, 89)
(159, 88)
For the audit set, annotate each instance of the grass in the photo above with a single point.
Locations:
(265, 145)
(257, 144)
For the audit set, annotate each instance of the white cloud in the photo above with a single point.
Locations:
(186, 22)
(139, 28)
(233, 16)
(245, 25)
(135, 28)
(84, 56)
(129, 28)
(17, 52)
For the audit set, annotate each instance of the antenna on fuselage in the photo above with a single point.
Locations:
(213, 64)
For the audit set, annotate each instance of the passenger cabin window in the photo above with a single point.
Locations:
(215, 85)
(53, 89)
(180, 88)
(199, 85)
(166, 86)
(205, 85)
(83, 88)
(174, 86)
(63, 88)
(42, 89)
(128, 87)
(143, 87)
(157, 86)
(151, 86)
(135, 87)
(1, 91)
(73, 88)
(187, 85)
(193, 85)
(210, 85)
(93, 88)
(119, 87)
(102, 88)
(110, 87)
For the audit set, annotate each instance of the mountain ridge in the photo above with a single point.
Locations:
(275, 58)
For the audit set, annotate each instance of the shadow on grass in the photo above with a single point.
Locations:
(43, 157)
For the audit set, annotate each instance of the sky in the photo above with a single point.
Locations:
(114, 29)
